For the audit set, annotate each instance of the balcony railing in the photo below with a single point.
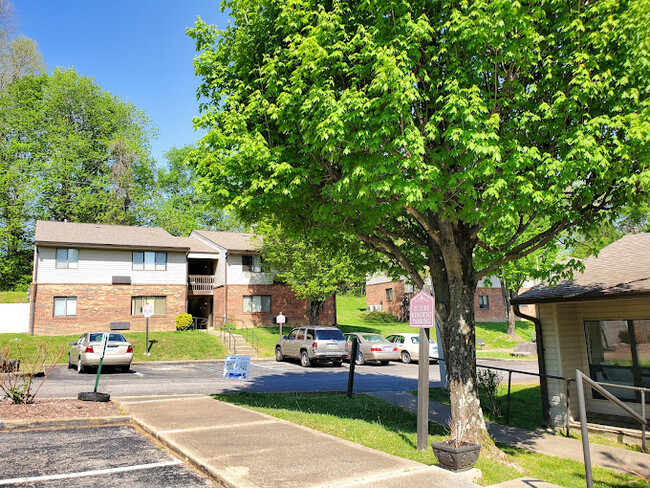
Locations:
(200, 284)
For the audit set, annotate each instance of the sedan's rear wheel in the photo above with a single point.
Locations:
(278, 355)
(384, 363)
(70, 365)
(405, 357)
(305, 362)
(80, 367)
(360, 360)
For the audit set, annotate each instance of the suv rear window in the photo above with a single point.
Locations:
(329, 335)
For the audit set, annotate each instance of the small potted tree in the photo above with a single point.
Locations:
(456, 454)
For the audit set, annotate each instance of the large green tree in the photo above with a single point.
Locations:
(437, 132)
(68, 150)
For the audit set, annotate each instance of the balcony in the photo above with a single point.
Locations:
(200, 284)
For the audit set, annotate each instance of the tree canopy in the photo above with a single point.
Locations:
(438, 133)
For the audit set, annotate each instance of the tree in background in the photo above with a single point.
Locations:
(438, 133)
(314, 271)
(19, 56)
(177, 205)
(68, 150)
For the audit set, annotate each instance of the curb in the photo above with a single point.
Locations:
(61, 423)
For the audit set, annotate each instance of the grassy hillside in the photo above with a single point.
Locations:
(14, 297)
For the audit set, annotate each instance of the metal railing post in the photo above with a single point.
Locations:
(583, 430)
(643, 429)
(567, 390)
(508, 399)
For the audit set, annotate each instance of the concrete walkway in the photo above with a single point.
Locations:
(245, 449)
(536, 441)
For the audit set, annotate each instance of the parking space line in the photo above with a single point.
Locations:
(95, 472)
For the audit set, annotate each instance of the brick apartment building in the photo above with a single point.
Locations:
(385, 294)
(89, 276)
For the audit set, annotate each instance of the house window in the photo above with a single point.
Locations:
(65, 306)
(257, 303)
(483, 301)
(389, 293)
(619, 352)
(159, 305)
(149, 261)
(67, 258)
(252, 263)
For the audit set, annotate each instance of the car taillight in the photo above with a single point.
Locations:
(129, 349)
(314, 345)
(89, 349)
(375, 349)
(395, 349)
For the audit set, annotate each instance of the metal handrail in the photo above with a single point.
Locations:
(253, 340)
(226, 334)
(567, 389)
(581, 378)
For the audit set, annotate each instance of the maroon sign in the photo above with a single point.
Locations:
(422, 311)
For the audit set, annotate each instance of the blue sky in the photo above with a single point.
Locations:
(136, 49)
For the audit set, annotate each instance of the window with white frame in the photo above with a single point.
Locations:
(67, 258)
(149, 261)
(65, 306)
(252, 263)
(389, 294)
(257, 303)
(159, 305)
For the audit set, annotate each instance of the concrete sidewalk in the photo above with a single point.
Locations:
(536, 441)
(245, 449)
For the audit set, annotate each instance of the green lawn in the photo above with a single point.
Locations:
(14, 297)
(167, 346)
(377, 424)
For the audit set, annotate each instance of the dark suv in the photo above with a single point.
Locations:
(312, 343)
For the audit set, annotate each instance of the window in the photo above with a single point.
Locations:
(619, 352)
(159, 305)
(389, 293)
(257, 303)
(483, 301)
(65, 306)
(67, 258)
(149, 261)
(252, 263)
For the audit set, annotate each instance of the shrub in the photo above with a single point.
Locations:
(183, 321)
(380, 317)
(229, 326)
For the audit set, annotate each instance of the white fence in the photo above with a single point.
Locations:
(14, 317)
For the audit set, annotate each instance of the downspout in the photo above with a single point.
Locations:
(541, 362)
(225, 288)
(32, 295)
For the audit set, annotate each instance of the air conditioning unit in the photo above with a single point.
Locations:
(374, 308)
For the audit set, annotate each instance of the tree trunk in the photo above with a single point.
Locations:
(454, 284)
(315, 308)
(510, 318)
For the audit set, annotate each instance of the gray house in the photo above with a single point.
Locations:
(598, 323)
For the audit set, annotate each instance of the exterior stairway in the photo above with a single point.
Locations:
(236, 344)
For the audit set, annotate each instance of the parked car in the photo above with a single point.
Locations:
(311, 344)
(409, 347)
(373, 347)
(86, 351)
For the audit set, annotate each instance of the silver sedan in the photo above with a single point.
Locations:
(373, 347)
(86, 351)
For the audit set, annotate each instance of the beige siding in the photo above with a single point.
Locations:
(98, 266)
(566, 350)
(237, 276)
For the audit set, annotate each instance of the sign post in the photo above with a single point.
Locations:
(101, 359)
(422, 311)
(280, 319)
(147, 311)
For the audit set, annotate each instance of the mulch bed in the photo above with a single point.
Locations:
(57, 408)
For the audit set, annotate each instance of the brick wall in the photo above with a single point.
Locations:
(376, 295)
(98, 305)
(282, 300)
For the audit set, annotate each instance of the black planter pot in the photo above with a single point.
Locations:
(457, 459)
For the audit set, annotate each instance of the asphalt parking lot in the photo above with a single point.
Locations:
(100, 456)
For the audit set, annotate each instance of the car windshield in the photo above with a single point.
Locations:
(329, 335)
(111, 338)
(95, 337)
(374, 338)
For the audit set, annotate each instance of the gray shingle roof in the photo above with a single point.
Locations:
(233, 241)
(96, 235)
(195, 245)
(621, 269)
